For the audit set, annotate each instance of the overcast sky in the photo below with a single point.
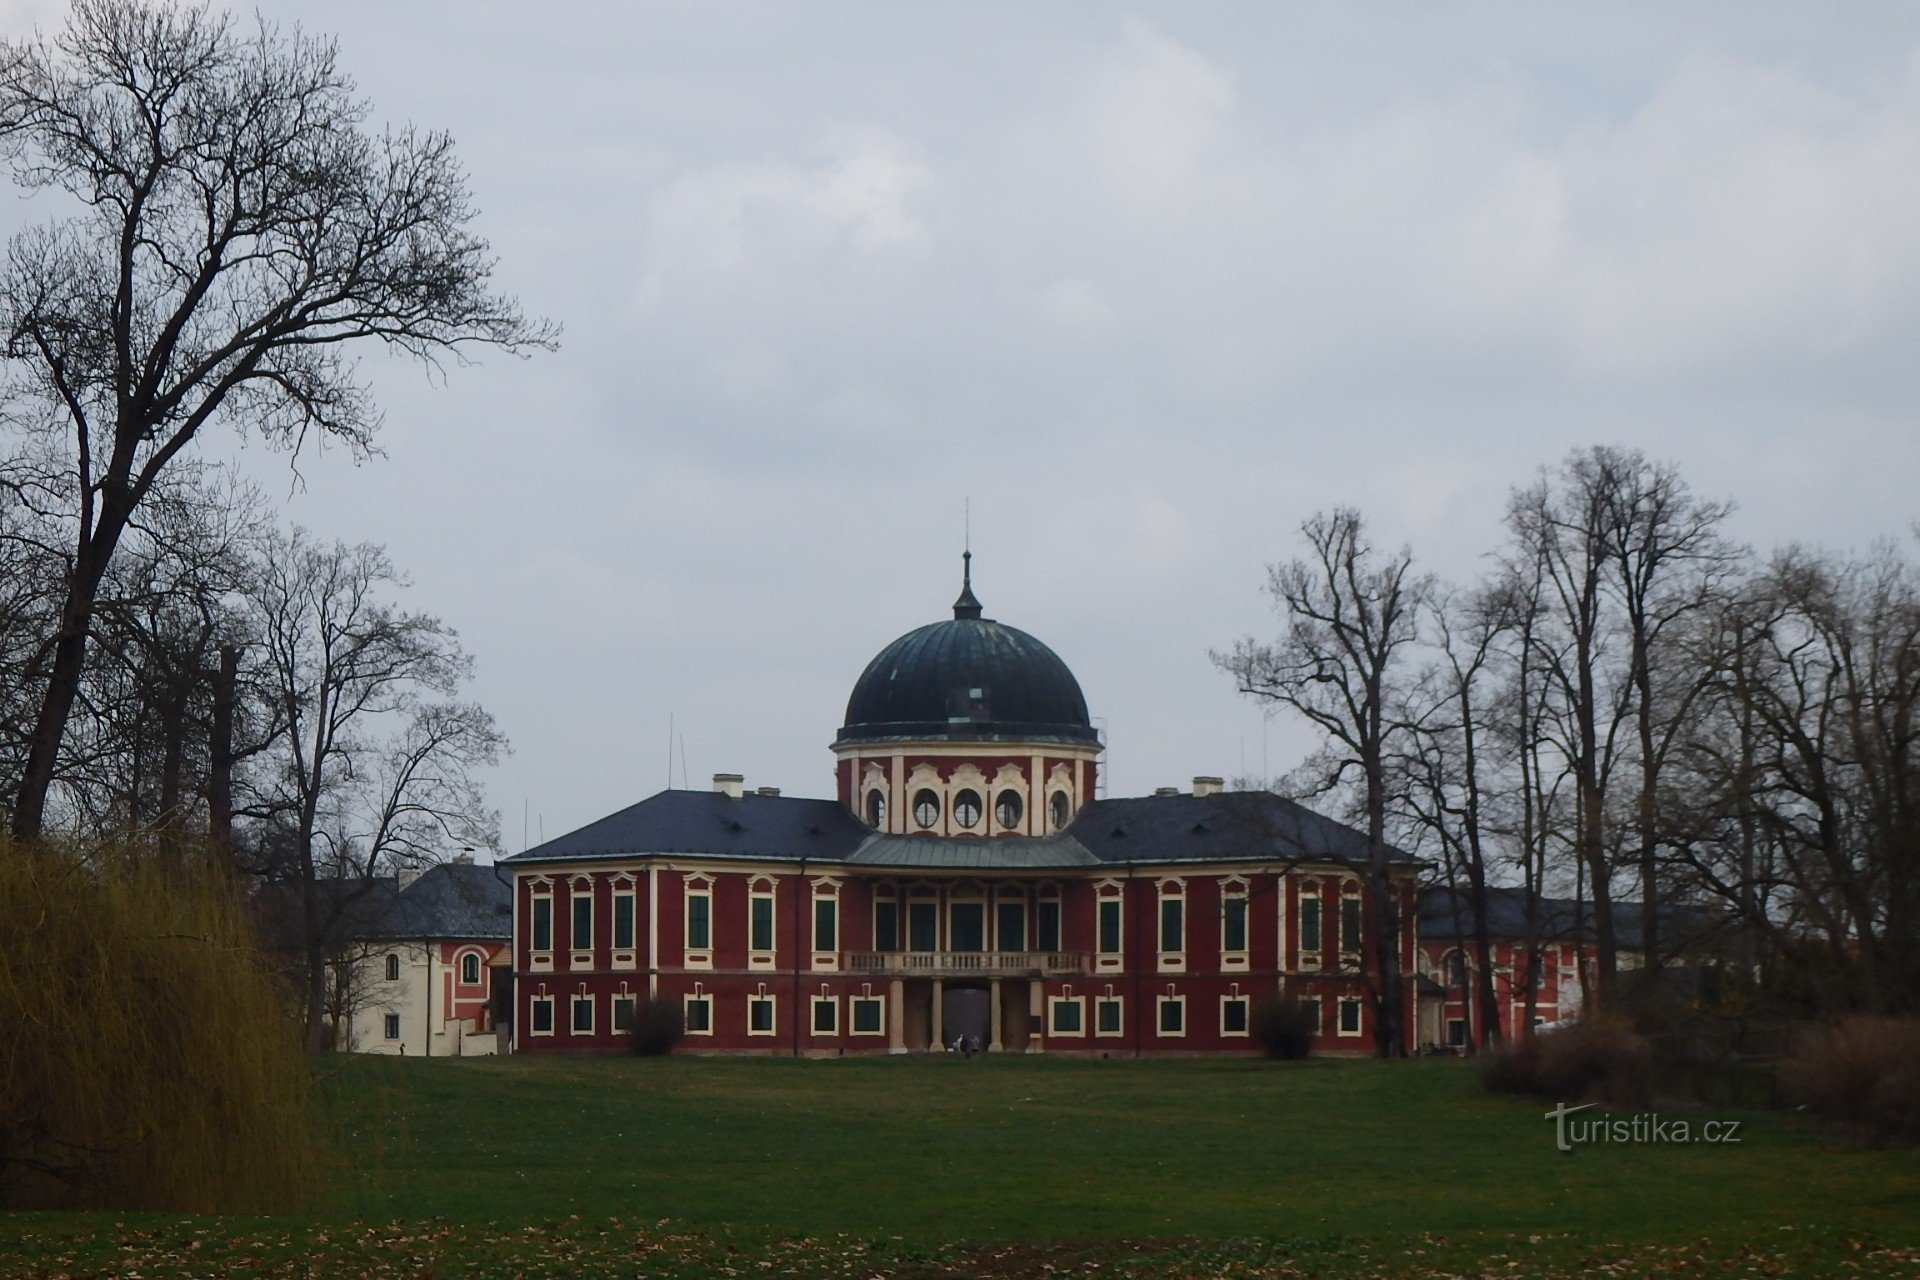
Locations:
(1151, 284)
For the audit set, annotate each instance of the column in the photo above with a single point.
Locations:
(896, 1017)
(993, 1041)
(933, 1017)
(1036, 1009)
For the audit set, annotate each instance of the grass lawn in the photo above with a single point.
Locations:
(1004, 1166)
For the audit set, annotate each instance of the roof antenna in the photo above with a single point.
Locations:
(967, 606)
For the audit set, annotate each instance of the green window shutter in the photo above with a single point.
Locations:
(886, 925)
(623, 921)
(826, 930)
(1310, 925)
(1110, 926)
(1047, 925)
(762, 932)
(543, 924)
(582, 924)
(1173, 913)
(1233, 927)
(699, 921)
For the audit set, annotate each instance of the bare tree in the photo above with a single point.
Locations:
(1350, 614)
(237, 230)
(376, 768)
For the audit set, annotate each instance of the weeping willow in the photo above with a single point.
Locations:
(146, 1058)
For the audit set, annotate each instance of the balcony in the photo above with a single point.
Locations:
(968, 964)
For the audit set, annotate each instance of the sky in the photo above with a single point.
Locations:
(1148, 285)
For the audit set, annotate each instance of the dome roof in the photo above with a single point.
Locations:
(970, 679)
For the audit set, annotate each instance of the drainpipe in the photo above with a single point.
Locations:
(427, 1049)
(799, 894)
(1139, 1009)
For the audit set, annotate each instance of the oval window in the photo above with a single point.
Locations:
(1057, 810)
(876, 809)
(926, 808)
(1008, 808)
(966, 808)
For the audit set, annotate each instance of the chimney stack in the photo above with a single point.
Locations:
(1204, 786)
(1166, 791)
(768, 791)
(731, 784)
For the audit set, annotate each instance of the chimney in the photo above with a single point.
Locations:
(767, 791)
(729, 783)
(404, 876)
(1166, 791)
(1203, 786)
(463, 859)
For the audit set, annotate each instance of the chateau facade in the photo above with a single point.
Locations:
(965, 886)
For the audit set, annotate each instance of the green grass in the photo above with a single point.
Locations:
(909, 1166)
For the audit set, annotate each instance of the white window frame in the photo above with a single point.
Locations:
(970, 895)
(574, 1002)
(887, 894)
(579, 957)
(540, 959)
(1350, 956)
(393, 966)
(1246, 1019)
(697, 885)
(825, 959)
(1160, 1004)
(1053, 1026)
(1319, 1006)
(763, 996)
(687, 1002)
(621, 999)
(1359, 1021)
(553, 1014)
(390, 1026)
(1118, 1002)
(1310, 891)
(1237, 960)
(1009, 895)
(1048, 895)
(763, 958)
(853, 1023)
(479, 969)
(813, 1016)
(1172, 890)
(1106, 891)
(627, 957)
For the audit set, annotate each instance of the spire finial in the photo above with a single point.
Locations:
(967, 606)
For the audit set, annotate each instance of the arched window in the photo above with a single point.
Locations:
(470, 969)
(1057, 811)
(1457, 969)
(926, 808)
(1007, 809)
(393, 967)
(876, 808)
(966, 809)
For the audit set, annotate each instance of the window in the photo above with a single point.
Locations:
(826, 924)
(1068, 1015)
(543, 924)
(583, 1015)
(966, 809)
(1350, 924)
(1047, 925)
(1108, 1016)
(542, 1015)
(698, 1015)
(869, 1015)
(761, 931)
(1058, 810)
(759, 1015)
(470, 970)
(1310, 925)
(391, 1026)
(1349, 1017)
(923, 926)
(1008, 809)
(1233, 924)
(582, 937)
(876, 808)
(1010, 926)
(1110, 926)
(1233, 1015)
(926, 808)
(1173, 1015)
(886, 925)
(623, 921)
(1457, 969)
(393, 967)
(623, 1014)
(1310, 1014)
(1536, 972)
(967, 926)
(1173, 920)
(699, 920)
(826, 1016)
(1457, 1032)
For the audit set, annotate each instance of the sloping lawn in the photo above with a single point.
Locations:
(1005, 1165)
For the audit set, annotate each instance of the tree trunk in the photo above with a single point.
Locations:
(220, 758)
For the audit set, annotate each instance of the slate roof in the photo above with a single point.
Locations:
(454, 900)
(1448, 914)
(1231, 826)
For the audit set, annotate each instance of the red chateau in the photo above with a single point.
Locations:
(964, 886)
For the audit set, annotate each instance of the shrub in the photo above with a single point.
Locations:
(1283, 1027)
(1596, 1059)
(1863, 1074)
(657, 1026)
(146, 1060)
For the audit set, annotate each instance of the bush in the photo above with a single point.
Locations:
(1597, 1059)
(146, 1059)
(1282, 1027)
(1862, 1074)
(657, 1026)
